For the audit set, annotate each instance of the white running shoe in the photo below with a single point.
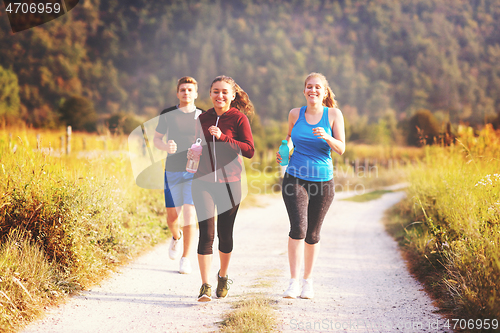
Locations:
(185, 266)
(175, 248)
(307, 289)
(293, 290)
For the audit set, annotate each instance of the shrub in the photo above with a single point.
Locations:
(65, 223)
(423, 128)
(78, 112)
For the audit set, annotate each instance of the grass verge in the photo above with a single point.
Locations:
(65, 223)
(372, 195)
(449, 225)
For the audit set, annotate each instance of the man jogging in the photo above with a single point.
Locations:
(178, 124)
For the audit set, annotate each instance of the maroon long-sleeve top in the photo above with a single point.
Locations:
(221, 158)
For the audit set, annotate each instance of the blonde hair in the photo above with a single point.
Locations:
(241, 101)
(187, 79)
(329, 99)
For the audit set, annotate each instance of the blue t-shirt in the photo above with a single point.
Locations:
(311, 159)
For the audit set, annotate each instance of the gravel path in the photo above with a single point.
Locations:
(361, 282)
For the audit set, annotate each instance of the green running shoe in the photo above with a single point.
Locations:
(222, 286)
(205, 293)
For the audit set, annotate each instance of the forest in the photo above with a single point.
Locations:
(117, 62)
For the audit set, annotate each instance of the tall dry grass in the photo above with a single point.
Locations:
(65, 222)
(451, 223)
(51, 139)
(263, 173)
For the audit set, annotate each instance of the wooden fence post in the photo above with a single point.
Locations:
(68, 140)
(38, 142)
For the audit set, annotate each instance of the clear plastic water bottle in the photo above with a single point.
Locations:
(193, 162)
(284, 152)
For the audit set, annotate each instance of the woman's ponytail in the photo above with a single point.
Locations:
(242, 101)
(329, 99)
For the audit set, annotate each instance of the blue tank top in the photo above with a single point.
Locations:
(311, 159)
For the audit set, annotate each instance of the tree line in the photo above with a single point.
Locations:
(386, 60)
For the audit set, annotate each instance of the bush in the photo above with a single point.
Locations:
(122, 123)
(423, 128)
(64, 223)
(78, 112)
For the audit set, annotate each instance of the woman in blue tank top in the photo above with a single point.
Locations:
(314, 131)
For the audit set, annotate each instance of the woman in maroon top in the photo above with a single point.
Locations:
(227, 137)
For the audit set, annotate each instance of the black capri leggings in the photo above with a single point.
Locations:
(307, 204)
(227, 197)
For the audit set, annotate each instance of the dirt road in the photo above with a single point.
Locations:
(361, 282)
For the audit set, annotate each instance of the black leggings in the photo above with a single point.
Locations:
(307, 204)
(227, 197)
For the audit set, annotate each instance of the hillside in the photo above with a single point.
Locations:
(384, 58)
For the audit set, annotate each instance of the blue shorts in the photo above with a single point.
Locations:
(178, 188)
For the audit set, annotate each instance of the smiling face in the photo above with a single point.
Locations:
(222, 95)
(315, 90)
(187, 94)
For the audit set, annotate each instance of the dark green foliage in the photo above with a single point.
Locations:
(423, 128)
(495, 121)
(78, 112)
(379, 55)
(9, 94)
(120, 123)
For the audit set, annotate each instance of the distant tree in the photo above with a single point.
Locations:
(258, 132)
(423, 128)
(495, 121)
(79, 113)
(383, 132)
(150, 92)
(403, 55)
(348, 129)
(9, 95)
(122, 123)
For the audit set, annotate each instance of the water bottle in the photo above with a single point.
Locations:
(193, 162)
(284, 152)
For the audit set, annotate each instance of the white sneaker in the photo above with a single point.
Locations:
(293, 290)
(175, 248)
(307, 289)
(185, 266)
